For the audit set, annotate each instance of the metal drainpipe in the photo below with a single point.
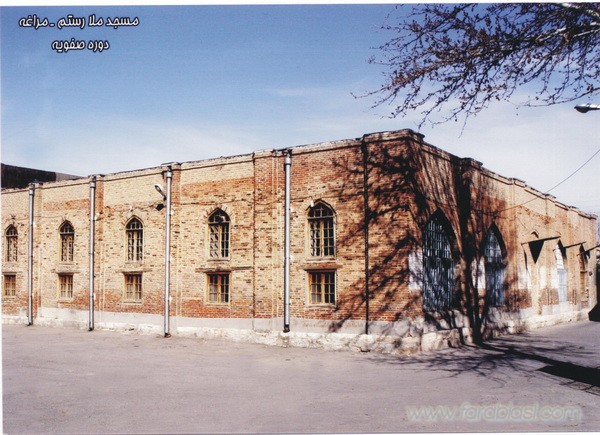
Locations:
(286, 254)
(30, 257)
(169, 175)
(92, 247)
(367, 218)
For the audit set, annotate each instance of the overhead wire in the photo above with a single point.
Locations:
(556, 185)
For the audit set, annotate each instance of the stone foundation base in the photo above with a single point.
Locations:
(404, 337)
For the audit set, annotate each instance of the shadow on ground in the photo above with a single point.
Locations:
(570, 364)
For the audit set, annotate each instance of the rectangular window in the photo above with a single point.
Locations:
(322, 287)
(133, 287)
(10, 285)
(218, 288)
(65, 285)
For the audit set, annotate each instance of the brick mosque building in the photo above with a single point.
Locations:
(383, 238)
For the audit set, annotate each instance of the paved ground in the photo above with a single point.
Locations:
(63, 380)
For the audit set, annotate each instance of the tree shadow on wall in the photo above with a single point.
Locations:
(404, 184)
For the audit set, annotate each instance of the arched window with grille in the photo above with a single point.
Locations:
(135, 240)
(12, 238)
(438, 267)
(583, 280)
(561, 270)
(494, 270)
(321, 220)
(218, 233)
(67, 241)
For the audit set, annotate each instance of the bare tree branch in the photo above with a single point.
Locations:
(457, 58)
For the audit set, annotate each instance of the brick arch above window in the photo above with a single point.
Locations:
(440, 218)
(494, 231)
(141, 215)
(66, 227)
(228, 210)
(134, 222)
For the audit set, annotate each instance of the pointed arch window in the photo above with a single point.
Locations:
(135, 240)
(322, 231)
(12, 238)
(438, 267)
(494, 270)
(218, 229)
(67, 242)
(561, 255)
(583, 286)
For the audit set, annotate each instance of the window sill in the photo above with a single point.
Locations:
(322, 306)
(66, 268)
(320, 264)
(221, 268)
(134, 268)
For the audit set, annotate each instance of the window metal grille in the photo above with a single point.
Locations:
(438, 268)
(135, 240)
(133, 287)
(583, 274)
(322, 231)
(322, 287)
(562, 273)
(11, 243)
(218, 225)
(10, 285)
(67, 240)
(494, 271)
(218, 288)
(65, 285)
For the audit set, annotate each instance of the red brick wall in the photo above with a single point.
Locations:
(407, 182)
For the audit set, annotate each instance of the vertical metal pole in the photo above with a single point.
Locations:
(92, 245)
(367, 220)
(286, 254)
(30, 257)
(169, 176)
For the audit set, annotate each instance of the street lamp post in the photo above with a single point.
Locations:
(584, 108)
(167, 197)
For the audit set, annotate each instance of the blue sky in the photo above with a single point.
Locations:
(195, 82)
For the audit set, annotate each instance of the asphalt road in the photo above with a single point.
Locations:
(64, 380)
